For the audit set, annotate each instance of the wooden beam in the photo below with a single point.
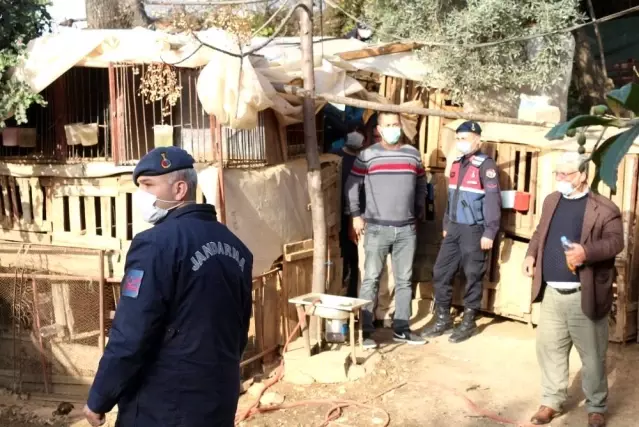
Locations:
(403, 109)
(370, 52)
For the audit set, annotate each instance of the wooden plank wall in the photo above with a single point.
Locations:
(522, 168)
(23, 213)
(266, 332)
(518, 168)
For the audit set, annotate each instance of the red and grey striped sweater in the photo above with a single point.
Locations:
(394, 182)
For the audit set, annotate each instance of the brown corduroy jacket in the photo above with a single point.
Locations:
(602, 240)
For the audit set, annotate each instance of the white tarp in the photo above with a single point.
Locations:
(234, 97)
(266, 208)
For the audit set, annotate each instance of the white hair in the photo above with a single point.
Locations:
(190, 177)
(579, 161)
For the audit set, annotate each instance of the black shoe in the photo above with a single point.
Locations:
(368, 343)
(409, 338)
(443, 323)
(378, 323)
(467, 328)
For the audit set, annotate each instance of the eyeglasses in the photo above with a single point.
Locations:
(563, 175)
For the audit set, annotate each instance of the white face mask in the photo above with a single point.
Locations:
(391, 134)
(566, 188)
(145, 202)
(464, 147)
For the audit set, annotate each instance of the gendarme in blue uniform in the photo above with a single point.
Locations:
(182, 321)
(473, 213)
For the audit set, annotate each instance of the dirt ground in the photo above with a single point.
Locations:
(495, 370)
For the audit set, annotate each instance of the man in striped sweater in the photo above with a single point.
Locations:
(395, 185)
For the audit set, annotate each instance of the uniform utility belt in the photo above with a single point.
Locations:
(568, 291)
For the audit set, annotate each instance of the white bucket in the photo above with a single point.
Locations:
(508, 199)
(163, 135)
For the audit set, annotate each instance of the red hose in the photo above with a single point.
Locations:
(337, 405)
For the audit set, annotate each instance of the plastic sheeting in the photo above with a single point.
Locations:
(265, 208)
(234, 98)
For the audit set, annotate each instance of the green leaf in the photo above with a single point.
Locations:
(608, 156)
(560, 129)
(599, 110)
(626, 97)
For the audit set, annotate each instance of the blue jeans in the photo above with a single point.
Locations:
(400, 242)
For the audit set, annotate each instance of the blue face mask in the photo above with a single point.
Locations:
(391, 135)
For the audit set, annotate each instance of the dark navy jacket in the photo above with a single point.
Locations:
(474, 197)
(180, 328)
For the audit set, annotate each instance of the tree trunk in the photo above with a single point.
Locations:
(116, 14)
(314, 175)
(589, 80)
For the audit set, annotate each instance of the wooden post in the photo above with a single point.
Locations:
(216, 134)
(101, 337)
(113, 112)
(36, 312)
(306, 339)
(351, 329)
(314, 175)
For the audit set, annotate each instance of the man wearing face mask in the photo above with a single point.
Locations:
(394, 181)
(573, 281)
(471, 223)
(182, 321)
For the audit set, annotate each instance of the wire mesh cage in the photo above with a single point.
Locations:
(49, 323)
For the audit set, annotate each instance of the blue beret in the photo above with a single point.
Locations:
(469, 126)
(162, 160)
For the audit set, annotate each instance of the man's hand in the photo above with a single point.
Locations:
(358, 225)
(486, 244)
(94, 419)
(529, 266)
(444, 233)
(576, 255)
(352, 235)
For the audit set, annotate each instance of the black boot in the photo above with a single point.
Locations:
(443, 323)
(467, 328)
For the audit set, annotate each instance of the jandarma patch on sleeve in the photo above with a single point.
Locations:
(132, 283)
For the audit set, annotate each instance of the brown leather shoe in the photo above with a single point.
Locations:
(595, 419)
(544, 415)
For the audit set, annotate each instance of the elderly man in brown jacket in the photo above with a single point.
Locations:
(574, 286)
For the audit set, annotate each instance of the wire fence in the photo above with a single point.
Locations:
(49, 323)
(53, 325)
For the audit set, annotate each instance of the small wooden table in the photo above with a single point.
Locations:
(324, 306)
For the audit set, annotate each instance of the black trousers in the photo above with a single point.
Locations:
(351, 264)
(461, 247)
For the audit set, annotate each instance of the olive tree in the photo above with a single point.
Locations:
(474, 72)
